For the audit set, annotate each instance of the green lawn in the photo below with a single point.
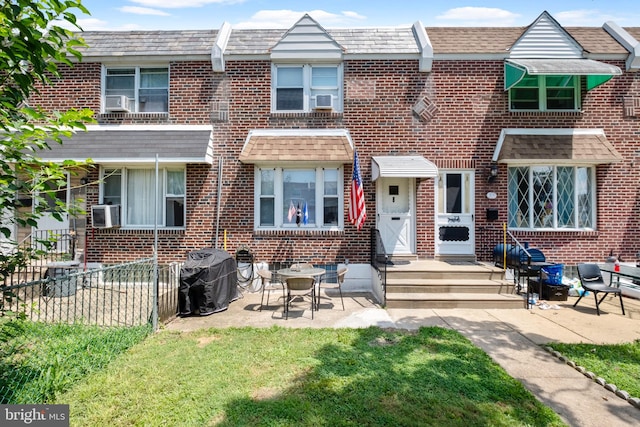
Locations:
(304, 377)
(618, 364)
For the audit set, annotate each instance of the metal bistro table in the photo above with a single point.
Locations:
(314, 272)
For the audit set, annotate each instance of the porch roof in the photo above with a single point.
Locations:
(135, 144)
(271, 146)
(402, 167)
(571, 146)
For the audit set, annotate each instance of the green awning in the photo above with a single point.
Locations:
(596, 72)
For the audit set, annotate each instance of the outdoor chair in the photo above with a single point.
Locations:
(592, 281)
(330, 285)
(268, 285)
(300, 286)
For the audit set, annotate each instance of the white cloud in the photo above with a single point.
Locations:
(174, 4)
(286, 18)
(142, 11)
(584, 18)
(478, 16)
(93, 24)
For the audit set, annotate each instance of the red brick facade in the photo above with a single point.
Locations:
(469, 109)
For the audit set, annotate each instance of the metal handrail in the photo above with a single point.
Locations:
(379, 256)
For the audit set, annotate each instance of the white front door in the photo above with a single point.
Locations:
(455, 229)
(50, 227)
(396, 218)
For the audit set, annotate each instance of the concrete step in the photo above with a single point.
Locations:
(414, 285)
(454, 300)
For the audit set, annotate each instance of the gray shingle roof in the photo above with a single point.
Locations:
(148, 43)
(105, 144)
(358, 41)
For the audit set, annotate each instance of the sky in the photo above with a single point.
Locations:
(117, 15)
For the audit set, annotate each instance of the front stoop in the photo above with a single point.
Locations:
(438, 284)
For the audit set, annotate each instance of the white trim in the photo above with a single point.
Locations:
(426, 48)
(219, 46)
(627, 41)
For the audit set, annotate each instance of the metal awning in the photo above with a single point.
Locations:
(402, 167)
(596, 72)
(135, 144)
(554, 146)
(278, 146)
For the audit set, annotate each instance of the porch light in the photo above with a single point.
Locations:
(493, 172)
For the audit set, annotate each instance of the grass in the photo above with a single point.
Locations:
(305, 377)
(618, 364)
(38, 360)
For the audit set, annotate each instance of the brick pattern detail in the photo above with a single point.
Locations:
(425, 109)
(631, 106)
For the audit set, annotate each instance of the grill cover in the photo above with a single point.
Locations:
(208, 282)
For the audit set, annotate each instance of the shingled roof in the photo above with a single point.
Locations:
(148, 43)
(358, 41)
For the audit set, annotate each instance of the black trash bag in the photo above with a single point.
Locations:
(208, 282)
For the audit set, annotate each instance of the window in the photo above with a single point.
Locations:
(146, 88)
(551, 197)
(134, 189)
(299, 197)
(297, 87)
(545, 93)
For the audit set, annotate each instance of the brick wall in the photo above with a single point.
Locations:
(463, 108)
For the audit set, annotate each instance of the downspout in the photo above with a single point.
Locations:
(217, 246)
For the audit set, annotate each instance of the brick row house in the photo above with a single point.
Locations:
(458, 131)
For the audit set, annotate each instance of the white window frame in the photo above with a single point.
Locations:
(309, 91)
(553, 224)
(542, 96)
(135, 101)
(162, 193)
(278, 197)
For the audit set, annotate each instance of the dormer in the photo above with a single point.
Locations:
(545, 69)
(306, 70)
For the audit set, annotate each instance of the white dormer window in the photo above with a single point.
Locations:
(306, 88)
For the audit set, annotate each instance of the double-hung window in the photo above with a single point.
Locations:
(545, 93)
(135, 190)
(551, 197)
(147, 89)
(305, 197)
(303, 88)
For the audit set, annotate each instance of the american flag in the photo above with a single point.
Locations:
(357, 206)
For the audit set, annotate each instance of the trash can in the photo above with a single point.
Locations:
(62, 282)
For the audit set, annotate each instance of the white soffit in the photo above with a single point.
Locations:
(402, 167)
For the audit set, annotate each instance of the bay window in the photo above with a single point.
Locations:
(551, 197)
(134, 190)
(305, 197)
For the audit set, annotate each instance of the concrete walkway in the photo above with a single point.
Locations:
(513, 338)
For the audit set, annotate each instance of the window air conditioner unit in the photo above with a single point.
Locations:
(324, 102)
(105, 216)
(116, 103)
